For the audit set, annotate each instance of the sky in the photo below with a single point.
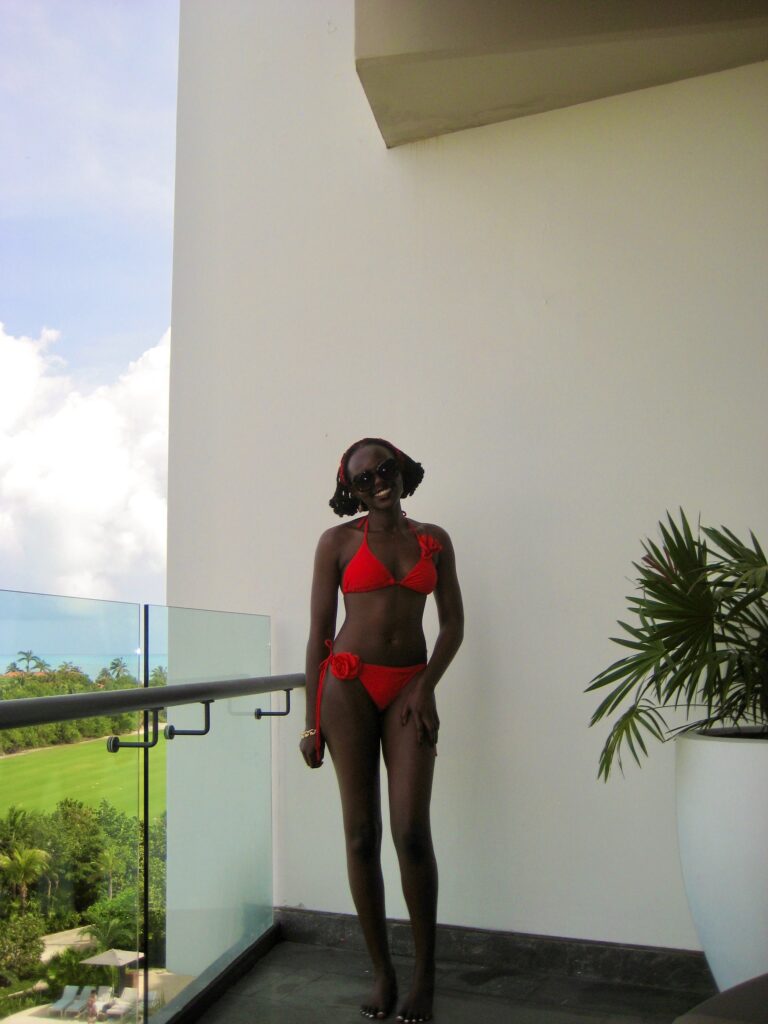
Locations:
(87, 117)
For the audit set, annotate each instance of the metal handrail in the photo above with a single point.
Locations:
(43, 710)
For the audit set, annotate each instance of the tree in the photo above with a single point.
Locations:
(14, 830)
(122, 831)
(22, 867)
(21, 946)
(158, 676)
(118, 668)
(110, 933)
(109, 863)
(156, 920)
(27, 657)
(75, 840)
(102, 679)
(70, 668)
(114, 922)
(66, 968)
(53, 879)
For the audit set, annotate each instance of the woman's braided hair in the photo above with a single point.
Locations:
(344, 503)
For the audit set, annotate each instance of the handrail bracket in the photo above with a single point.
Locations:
(114, 743)
(258, 713)
(170, 730)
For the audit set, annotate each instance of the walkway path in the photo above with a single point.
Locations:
(57, 942)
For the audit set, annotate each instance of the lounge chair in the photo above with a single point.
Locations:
(78, 1004)
(126, 1002)
(103, 997)
(119, 1009)
(67, 997)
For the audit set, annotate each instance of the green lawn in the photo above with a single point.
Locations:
(83, 771)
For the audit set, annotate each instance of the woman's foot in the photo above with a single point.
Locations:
(417, 1006)
(382, 997)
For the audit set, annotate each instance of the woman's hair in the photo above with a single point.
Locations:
(344, 503)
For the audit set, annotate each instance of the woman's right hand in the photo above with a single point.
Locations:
(308, 748)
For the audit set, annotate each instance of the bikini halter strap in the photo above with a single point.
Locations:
(408, 523)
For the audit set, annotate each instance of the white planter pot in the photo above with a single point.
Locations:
(722, 824)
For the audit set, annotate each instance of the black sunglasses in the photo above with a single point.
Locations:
(385, 471)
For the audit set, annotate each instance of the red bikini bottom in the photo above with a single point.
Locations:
(382, 682)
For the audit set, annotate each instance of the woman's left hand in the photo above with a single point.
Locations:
(420, 705)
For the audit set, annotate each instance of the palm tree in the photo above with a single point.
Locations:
(158, 676)
(110, 932)
(27, 657)
(16, 825)
(70, 668)
(103, 678)
(107, 865)
(118, 668)
(23, 866)
(53, 880)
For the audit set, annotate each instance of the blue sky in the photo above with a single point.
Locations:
(87, 118)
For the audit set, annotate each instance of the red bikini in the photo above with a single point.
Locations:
(365, 572)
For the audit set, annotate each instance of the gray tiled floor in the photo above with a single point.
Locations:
(303, 984)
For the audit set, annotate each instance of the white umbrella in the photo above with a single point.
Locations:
(118, 958)
(114, 958)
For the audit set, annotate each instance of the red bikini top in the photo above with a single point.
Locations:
(365, 572)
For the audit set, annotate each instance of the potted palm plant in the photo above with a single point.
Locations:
(698, 647)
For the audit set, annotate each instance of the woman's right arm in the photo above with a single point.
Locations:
(325, 595)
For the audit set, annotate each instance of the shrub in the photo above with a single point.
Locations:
(21, 946)
(24, 999)
(66, 968)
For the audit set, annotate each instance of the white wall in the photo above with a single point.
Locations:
(564, 318)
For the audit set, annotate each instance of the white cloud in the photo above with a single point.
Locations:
(82, 475)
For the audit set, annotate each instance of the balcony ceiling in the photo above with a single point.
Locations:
(434, 66)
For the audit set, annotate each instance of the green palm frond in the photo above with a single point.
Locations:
(628, 729)
(700, 640)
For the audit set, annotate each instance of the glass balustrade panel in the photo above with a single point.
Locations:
(70, 873)
(210, 796)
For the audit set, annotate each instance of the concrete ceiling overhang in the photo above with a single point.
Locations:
(434, 66)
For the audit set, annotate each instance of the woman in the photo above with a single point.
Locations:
(375, 691)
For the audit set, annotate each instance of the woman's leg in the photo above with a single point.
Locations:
(351, 726)
(410, 769)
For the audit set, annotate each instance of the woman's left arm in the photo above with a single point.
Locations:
(450, 613)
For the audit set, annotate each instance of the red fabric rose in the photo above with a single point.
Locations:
(429, 545)
(345, 665)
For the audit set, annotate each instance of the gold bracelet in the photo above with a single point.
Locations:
(308, 732)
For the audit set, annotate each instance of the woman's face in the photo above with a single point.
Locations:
(369, 486)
